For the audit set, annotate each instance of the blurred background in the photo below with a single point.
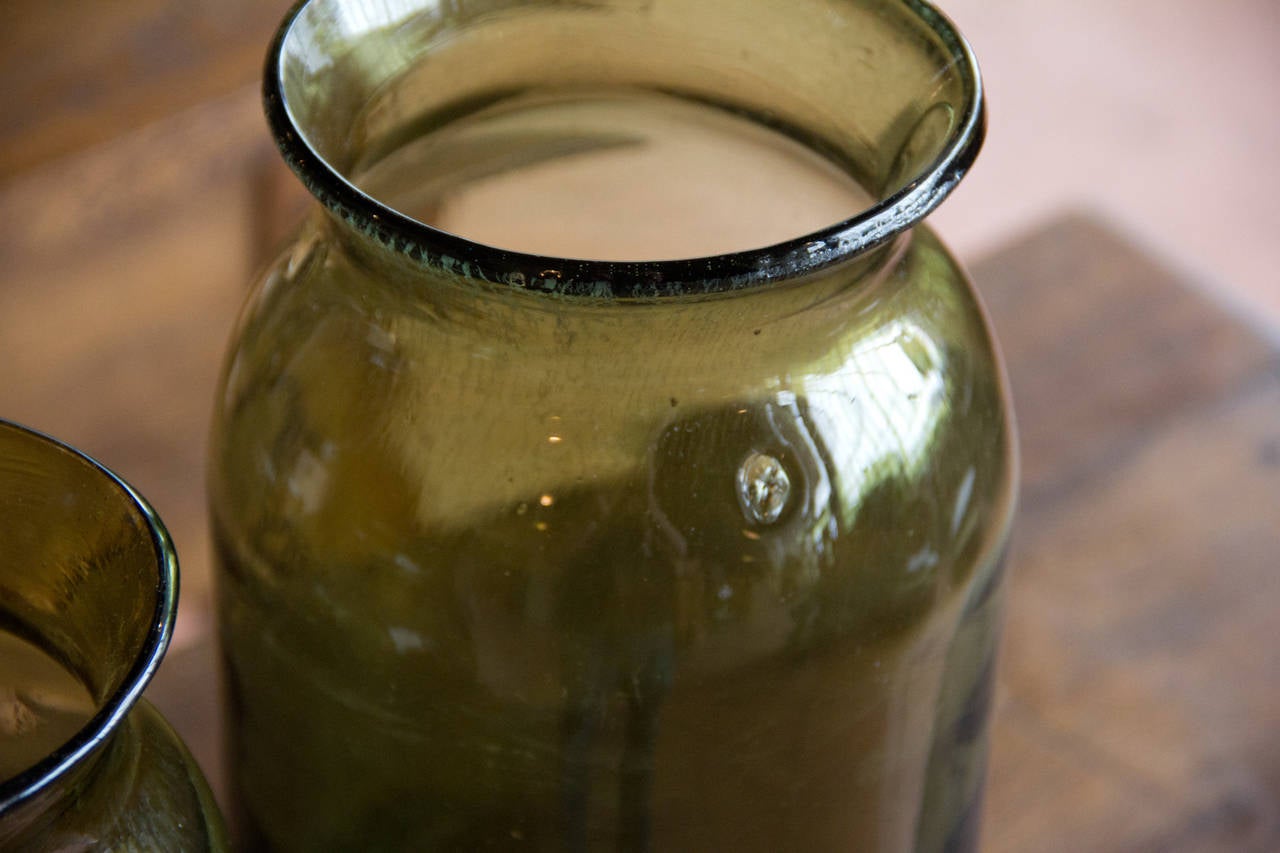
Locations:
(1132, 148)
(1160, 116)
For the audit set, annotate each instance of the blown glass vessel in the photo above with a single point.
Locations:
(88, 594)
(552, 552)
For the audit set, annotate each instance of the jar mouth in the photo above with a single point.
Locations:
(944, 157)
(116, 664)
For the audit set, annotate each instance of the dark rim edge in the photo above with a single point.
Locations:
(432, 247)
(29, 784)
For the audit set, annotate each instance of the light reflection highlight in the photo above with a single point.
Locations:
(878, 413)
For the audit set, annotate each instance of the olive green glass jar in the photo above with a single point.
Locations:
(531, 552)
(88, 594)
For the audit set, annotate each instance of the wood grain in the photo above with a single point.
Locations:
(76, 74)
(121, 272)
(1140, 687)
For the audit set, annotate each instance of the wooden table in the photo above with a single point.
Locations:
(1139, 694)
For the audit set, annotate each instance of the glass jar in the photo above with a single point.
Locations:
(531, 552)
(88, 594)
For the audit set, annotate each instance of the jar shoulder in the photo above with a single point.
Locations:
(361, 427)
(459, 389)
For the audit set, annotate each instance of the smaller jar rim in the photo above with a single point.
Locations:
(32, 782)
(429, 246)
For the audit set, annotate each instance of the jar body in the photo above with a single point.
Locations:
(507, 570)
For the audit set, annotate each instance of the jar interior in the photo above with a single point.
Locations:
(870, 92)
(612, 174)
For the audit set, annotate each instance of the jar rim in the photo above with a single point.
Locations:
(426, 245)
(80, 747)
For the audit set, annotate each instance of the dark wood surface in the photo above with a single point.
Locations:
(1139, 696)
(74, 73)
(1139, 692)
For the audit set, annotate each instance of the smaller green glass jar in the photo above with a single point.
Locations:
(88, 595)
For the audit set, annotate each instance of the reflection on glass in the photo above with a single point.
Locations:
(879, 411)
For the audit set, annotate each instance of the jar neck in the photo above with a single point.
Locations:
(94, 586)
(792, 321)
(886, 90)
(87, 785)
(554, 289)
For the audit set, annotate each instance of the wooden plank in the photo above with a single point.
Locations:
(1139, 693)
(78, 74)
(1102, 344)
(1138, 650)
